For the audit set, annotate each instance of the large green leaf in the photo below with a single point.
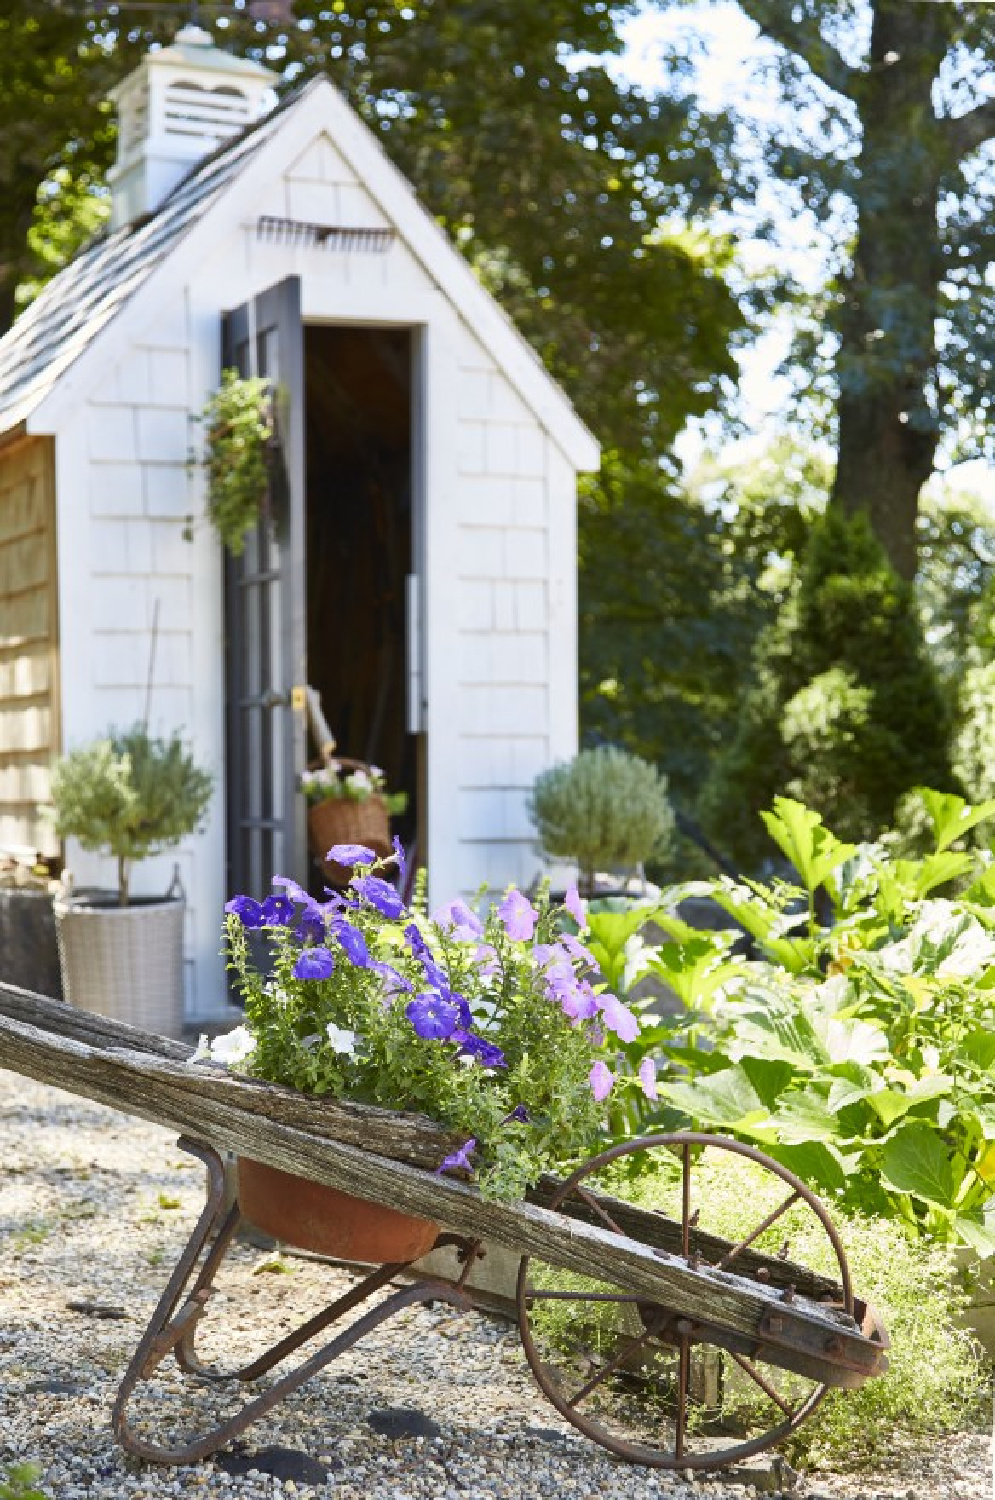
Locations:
(805, 1116)
(940, 869)
(980, 1236)
(727, 1098)
(915, 1161)
(817, 1164)
(803, 838)
(952, 817)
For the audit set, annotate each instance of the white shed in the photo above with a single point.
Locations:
(423, 575)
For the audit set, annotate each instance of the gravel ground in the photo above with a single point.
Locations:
(94, 1209)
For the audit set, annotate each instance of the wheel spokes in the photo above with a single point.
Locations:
(761, 1228)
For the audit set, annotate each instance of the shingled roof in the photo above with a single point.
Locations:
(76, 304)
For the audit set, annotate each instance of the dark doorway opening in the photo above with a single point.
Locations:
(359, 519)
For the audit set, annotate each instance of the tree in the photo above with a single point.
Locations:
(845, 711)
(885, 138)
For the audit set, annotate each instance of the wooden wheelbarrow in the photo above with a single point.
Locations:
(665, 1343)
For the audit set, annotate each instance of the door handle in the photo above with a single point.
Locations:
(272, 699)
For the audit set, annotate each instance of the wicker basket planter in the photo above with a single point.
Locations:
(339, 820)
(123, 962)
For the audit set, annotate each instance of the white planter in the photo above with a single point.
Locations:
(123, 962)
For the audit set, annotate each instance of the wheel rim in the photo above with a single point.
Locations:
(637, 1377)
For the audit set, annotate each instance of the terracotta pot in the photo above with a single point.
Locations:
(313, 1217)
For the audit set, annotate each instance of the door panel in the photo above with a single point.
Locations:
(264, 617)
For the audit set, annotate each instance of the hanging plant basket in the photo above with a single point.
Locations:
(241, 452)
(341, 819)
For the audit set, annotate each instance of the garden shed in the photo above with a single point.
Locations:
(420, 573)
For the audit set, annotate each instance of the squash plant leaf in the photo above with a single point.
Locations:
(951, 816)
(727, 1099)
(915, 1161)
(803, 838)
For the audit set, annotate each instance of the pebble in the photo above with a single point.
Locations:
(463, 1418)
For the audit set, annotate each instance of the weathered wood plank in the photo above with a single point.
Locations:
(217, 1109)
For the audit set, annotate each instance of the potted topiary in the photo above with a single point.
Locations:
(129, 795)
(604, 810)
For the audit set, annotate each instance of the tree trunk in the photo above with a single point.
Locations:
(886, 365)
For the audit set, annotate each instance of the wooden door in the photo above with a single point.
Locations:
(265, 617)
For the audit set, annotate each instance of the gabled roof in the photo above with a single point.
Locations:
(70, 315)
(75, 305)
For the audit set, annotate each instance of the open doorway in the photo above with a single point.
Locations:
(359, 518)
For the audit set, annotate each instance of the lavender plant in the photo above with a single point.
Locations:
(491, 1027)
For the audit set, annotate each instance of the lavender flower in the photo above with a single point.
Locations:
(459, 1160)
(577, 950)
(618, 1018)
(647, 1077)
(459, 920)
(519, 916)
(396, 983)
(433, 1016)
(576, 907)
(601, 1079)
(351, 854)
(402, 864)
(519, 1113)
(249, 912)
(314, 963)
(379, 893)
(486, 960)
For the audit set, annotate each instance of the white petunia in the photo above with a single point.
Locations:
(203, 1052)
(234, 1047)
(341, 1039)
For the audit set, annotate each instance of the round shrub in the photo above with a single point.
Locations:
(129, 795)
(605, 810)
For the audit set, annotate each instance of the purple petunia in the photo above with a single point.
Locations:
(459, 921)
(278, 911)
(351, 854)
(314, 963)
(576, 907)
(402, 863)
(601, 1079)
(486, 1053)
(416, 942)
(352, 942)
(459, 1160)
(647, 1077)
(379, 893)
(433, 1016)
(519, 916)
(577, 950)
(486, 960)
(249, 912)
(519, 1113)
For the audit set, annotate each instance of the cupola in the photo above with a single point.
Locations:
(178, 106)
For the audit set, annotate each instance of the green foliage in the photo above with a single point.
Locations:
(606, 809)
(130, 795)
(350, 1036)
(675, 587)
(974, 740)
(845, 710)
(860, 1054)
(239, 437)
(21, 1483)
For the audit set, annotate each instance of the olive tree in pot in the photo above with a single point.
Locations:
(604, 810)
(128, 795)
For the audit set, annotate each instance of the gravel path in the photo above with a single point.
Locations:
(94, 1209)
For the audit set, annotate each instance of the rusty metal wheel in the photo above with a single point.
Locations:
(642, 1379)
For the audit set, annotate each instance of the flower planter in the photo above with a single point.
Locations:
(123, 962)
(338, 820)
(313, 1217)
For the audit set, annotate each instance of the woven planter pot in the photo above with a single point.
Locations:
(339, 820)
(123, 962)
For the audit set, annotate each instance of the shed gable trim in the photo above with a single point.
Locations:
(321, 111)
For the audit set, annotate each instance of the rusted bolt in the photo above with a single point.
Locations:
(788, 1295)
(775, 1324)
(834, 1345)
(685, 1327)
(694, 1261)
(762, 1273)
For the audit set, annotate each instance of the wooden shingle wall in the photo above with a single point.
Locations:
(29, 637)
(516, 601)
